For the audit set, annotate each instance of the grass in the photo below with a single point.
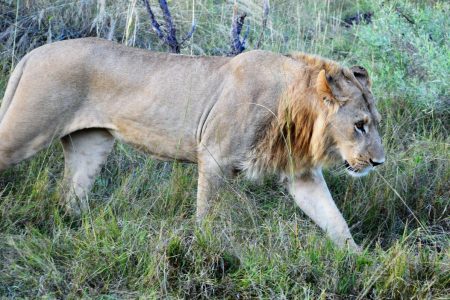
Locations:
(139, 238)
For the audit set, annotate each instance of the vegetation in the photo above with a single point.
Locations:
(139, 238)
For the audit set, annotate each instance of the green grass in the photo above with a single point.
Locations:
(140, 239)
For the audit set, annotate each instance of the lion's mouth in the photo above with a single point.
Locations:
(350, 168)
(356, 172)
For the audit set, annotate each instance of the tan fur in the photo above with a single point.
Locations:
(259, 112)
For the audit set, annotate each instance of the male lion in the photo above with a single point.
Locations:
(258, 112)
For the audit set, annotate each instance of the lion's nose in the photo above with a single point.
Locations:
(376, 163)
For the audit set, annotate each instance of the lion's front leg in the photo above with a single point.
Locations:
(313, 197)
(206, 189)
(211, 177)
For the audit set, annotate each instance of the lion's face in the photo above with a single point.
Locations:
(353, 126)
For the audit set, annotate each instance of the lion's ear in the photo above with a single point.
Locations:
(324, 87)
(362, 76)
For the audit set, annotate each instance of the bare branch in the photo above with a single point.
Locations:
(169, 36)
(266, 10)
(407, 18)
(189, 34)
(238, 44)
(155, 25)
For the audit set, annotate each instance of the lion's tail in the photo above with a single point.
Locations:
(12, 87)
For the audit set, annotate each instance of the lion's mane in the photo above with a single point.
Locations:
(296, 138)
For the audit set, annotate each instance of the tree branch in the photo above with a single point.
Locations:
(189, 34)
(155, 25)
(238, 44)
(169, 35)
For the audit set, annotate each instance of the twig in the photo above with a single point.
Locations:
(189, 34)
(238, 44)
(155, 25)
(407, 18)
(169, 37)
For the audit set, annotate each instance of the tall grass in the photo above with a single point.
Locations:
(139, 238)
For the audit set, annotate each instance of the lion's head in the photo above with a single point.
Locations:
(353, 123)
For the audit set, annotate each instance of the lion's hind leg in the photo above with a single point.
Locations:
(19, 142)
(85, 152)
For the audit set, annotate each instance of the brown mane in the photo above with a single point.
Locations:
(296, 139)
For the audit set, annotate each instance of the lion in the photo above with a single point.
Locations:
(257, 113)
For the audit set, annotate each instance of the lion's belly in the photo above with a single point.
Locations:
(157, 137)
(158, 142)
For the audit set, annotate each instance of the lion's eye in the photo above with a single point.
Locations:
(360, 126)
